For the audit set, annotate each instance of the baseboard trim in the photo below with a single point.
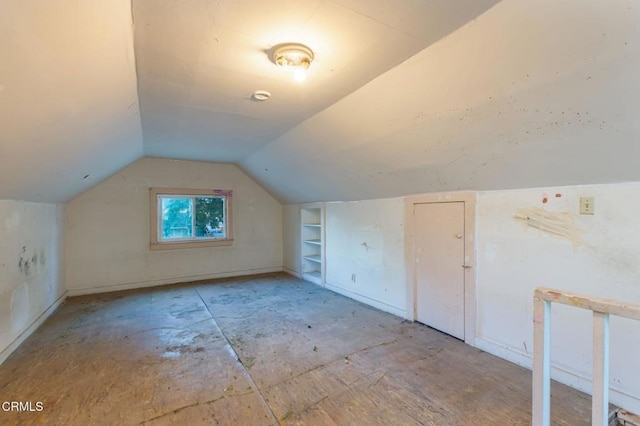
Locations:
(367, 301)
(562, 375)
(166, 281)
(292, 272)
(6, 352)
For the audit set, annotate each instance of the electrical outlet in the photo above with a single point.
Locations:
(587, 205)
(353, 278)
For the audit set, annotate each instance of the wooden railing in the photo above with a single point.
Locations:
(602, 308)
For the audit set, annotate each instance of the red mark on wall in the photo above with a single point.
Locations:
(545, 198)
(558, 195)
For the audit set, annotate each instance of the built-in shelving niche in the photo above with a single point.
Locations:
(312, 233)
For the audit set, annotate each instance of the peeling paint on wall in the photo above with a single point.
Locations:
(559, 224)
(31, 267)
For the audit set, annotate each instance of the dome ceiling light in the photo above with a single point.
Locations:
(293, 56)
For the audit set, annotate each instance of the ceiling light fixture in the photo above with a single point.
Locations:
(293, 56)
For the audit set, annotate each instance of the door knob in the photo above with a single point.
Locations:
(466, 266)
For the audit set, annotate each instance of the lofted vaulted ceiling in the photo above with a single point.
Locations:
(403, 97)
(69, 112)
(199, 61)
(530, 94)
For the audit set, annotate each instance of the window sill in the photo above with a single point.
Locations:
(190, 244)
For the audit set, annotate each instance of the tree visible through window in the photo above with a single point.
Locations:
(179, 221)
(184, 216)
(210, 217)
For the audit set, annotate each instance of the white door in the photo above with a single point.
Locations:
(439, 251)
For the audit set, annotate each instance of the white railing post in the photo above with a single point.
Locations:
(541, 409)
(600, 394)
(602, 309)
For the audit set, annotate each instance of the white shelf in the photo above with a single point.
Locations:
(312, 241)
(315, 258)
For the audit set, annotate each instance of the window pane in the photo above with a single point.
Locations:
(177, 214)
(210, 221)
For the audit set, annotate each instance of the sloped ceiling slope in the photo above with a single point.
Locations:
(69, 85)
(529, 94)
(199, 61)
(69, 113)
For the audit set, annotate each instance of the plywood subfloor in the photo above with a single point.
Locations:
(260, 351)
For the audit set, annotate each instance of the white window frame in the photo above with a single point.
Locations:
(157, 243)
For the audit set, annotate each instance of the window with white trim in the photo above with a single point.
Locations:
(189, 218)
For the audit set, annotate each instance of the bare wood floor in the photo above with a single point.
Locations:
(264, 350)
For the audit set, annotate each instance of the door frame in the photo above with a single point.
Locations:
(469, 200)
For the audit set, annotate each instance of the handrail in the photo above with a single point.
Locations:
(602, 308)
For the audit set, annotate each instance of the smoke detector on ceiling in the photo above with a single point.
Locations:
(293, 56)
(260, 95)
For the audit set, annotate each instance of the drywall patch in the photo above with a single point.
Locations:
(367, 249)
(559, 224)
(490, 252)
(12, 221)
(20, 308)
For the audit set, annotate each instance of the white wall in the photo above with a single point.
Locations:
(108, 229)
(601, 260)
(366, 239)
(31, 268)
(595, 255)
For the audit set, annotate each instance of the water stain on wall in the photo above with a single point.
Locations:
(559, 224)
